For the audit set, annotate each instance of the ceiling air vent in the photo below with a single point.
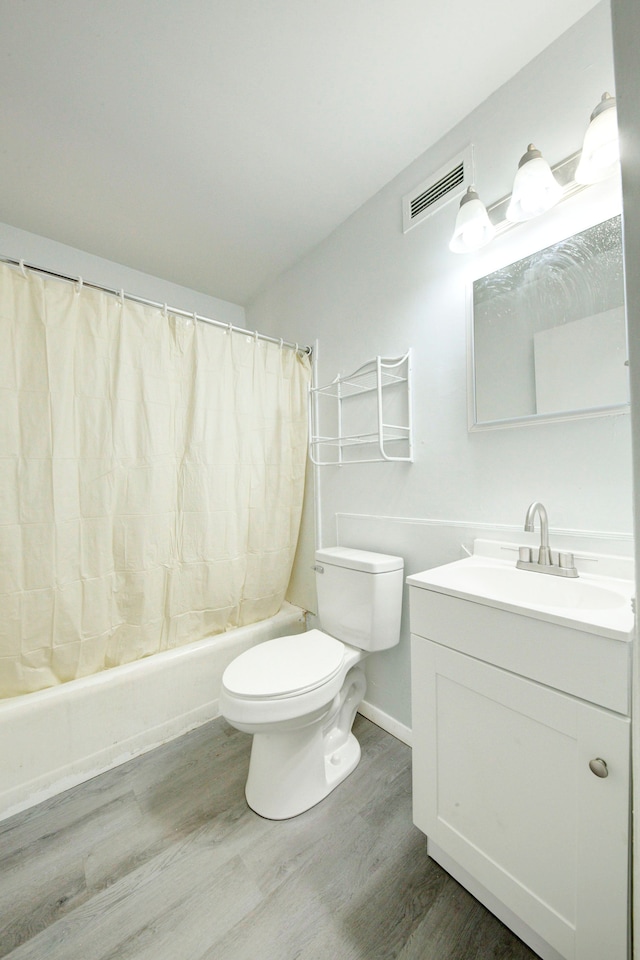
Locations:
(449, 182)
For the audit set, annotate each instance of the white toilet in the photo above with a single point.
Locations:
(298, 695)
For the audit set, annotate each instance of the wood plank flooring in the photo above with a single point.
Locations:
(161, 859)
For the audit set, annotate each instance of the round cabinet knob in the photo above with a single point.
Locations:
(598, 767)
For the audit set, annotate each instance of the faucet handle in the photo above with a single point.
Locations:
(566, 560)
(524, 554)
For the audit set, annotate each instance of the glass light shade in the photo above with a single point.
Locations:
(535, 189)
(601, 149)
(473, 227)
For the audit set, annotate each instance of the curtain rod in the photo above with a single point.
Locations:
(152, 303)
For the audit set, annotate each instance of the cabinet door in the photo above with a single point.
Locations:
(502, 784)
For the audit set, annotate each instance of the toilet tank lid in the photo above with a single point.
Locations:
(359, 559)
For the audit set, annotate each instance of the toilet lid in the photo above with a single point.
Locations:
(285, 666)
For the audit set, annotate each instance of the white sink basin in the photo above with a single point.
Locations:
(527, 588)
(599, 604)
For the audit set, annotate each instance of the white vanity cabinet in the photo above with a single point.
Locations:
(508, 713)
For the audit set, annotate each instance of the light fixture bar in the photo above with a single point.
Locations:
(538, 186)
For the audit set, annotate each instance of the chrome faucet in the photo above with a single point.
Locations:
(565, 565)
(544, 554)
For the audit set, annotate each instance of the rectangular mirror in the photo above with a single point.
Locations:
(548, 334)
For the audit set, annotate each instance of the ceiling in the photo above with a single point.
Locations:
(214, 142)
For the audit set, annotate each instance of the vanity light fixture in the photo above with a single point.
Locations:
(473, 227)
(535, 189)
(600, 150)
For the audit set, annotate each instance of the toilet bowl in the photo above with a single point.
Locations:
(298, 695)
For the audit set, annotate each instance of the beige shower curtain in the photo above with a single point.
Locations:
(151, 479)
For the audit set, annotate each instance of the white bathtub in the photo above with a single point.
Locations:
(56, 738)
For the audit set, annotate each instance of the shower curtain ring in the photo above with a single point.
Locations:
(229, 328)
(79, 286)
(22, 270)
(281, 343)
(122, 297)
(164, 311)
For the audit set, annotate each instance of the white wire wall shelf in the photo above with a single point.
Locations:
(364, 417)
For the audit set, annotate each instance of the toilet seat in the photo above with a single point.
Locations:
(285, 667)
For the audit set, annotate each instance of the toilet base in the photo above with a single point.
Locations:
(280, 793)
(291, 770)
(342, 762)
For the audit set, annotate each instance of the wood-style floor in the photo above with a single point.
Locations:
(160, 859)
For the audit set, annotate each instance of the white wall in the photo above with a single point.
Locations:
(368, 289)
(68, 261)
(626, 41)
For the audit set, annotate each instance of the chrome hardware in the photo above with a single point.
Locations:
(599, 767)
(565, 566)
(318, 568)
(544, 554)
(565, 560)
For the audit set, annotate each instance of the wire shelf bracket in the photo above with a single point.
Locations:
(365, 416)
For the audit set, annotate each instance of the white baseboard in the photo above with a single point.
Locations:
(390, 724)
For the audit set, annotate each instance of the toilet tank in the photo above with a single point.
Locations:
(360, 596)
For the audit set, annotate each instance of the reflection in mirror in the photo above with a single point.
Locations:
(548, 332)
